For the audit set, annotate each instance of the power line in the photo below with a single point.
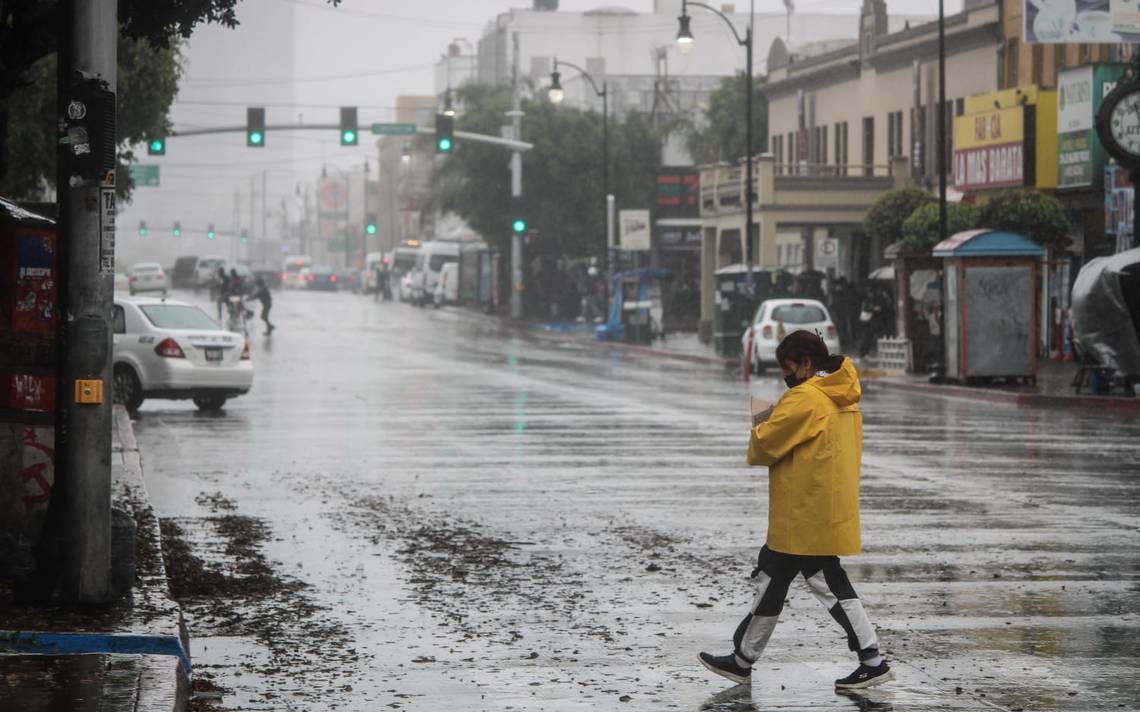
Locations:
(226, 83)
(422, 21)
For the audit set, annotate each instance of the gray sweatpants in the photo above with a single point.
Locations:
(827, 580)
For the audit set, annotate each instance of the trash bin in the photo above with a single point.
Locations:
(735, 306)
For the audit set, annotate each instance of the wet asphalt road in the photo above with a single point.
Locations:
(440, 513)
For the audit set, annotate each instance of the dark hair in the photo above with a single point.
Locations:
(799, 346)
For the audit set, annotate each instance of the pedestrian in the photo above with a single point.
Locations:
(812, 443)
(261, 294)
(223, 289)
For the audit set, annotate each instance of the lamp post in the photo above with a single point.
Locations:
(685, 41)
(942, 121)
(556, 95)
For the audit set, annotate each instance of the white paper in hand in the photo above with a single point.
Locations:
(761, 410)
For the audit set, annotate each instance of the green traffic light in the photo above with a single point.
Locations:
(519, 225)
(156, 146)
(142, 232)
(445, 145)
(211, 235)
(348, 137)
(255, 138)
(178, 232)
(371, 229)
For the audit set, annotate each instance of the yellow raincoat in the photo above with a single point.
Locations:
(812, 445)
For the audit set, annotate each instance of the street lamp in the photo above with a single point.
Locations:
(685, 41)
(556, 95)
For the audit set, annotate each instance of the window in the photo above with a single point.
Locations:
(792, 157)
(798, 314)
(1038, 68)
(1058, 59)
(119, 320)
(823, 145)
(778, 148)
(894, 134)
(869, 145)
(178, 316)
(437, 262)
(841, 147)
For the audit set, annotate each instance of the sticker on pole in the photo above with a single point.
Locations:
(106, 231)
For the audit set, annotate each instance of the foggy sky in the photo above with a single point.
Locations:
(302, 59)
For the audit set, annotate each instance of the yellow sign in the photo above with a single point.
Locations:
(1004, 99)
(89, 391)
(995, 127)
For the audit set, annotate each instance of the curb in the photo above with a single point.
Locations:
(1021, 400)
(152, 589)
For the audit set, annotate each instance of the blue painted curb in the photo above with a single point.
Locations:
(39, 643)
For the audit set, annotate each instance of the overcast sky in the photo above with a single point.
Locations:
(302, 59)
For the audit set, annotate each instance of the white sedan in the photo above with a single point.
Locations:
(147, 277)
(174, 350)
(776, 318)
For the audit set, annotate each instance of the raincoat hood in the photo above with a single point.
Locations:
(841, 386)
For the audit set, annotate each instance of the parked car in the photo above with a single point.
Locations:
(206, 271)
(291, 277)
(320, 278)
(147, 277)
(182, 275)
(447, 290)
(433, 256)
(174, 350)
(776, 318)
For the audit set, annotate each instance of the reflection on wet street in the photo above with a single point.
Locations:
(415, 508)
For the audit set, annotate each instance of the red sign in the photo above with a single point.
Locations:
(988, 167)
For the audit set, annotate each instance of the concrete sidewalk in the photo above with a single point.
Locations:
(132, 656)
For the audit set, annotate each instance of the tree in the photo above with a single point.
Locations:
(884, 219)
(722, 135)
(28, 33)
(1036, 215)
(562, 190)
(920, 230)
(147, 83)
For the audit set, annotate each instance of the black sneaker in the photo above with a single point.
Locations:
(866, 676)
(725, 666)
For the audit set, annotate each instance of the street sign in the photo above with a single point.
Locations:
(634, 229)
(144, 175)
(394, 129)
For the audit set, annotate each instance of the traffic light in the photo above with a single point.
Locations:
(142, 228)
(444, 133)
(255, 127)
(244, 236)
(370, 224)
(348, 128)
(518, 226)
(211, 233)
(177, 228)
(156, 147)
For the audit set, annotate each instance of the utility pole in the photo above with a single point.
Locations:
(86, 184)
(264, 209)
(252, 191)
(516, 115)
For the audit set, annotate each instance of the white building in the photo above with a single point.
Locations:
(636, 54)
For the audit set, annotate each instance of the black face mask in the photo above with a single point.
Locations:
(793, 380)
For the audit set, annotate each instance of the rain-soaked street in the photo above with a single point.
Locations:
(420, 510)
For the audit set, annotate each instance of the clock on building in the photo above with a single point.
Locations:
(1118, 124)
